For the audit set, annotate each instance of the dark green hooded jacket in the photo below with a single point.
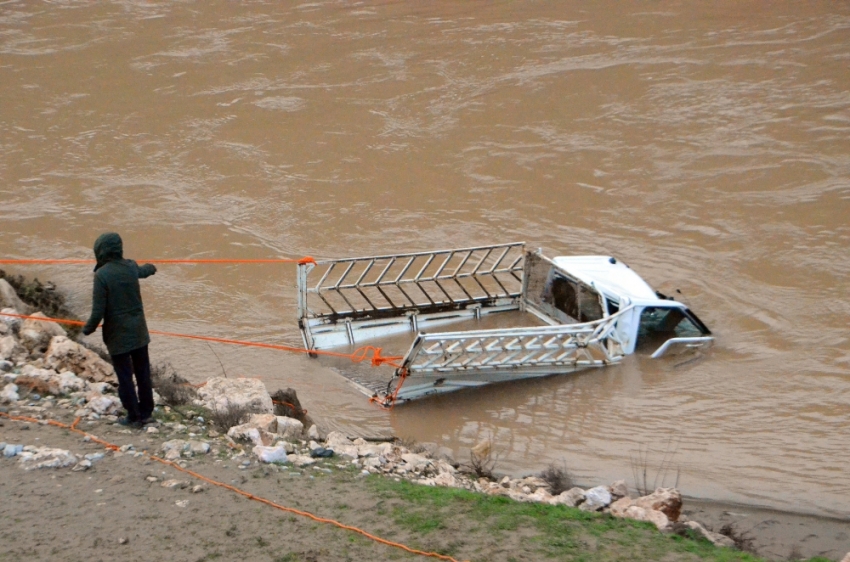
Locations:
(117, 299)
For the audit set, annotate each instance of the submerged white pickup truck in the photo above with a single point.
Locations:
(579, 312)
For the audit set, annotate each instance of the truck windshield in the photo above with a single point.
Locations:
(659, 324)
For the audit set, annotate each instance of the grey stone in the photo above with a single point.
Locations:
(11, 450)
(6, 366)
(596, 498)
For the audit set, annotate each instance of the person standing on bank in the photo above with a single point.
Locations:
(117, 300)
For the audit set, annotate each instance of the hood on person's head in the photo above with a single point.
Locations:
(108, 247)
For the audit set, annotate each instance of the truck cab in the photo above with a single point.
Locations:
(654, 323)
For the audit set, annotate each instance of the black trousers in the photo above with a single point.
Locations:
(139, 406)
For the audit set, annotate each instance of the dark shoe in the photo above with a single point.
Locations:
(147, 420)
(128, 422)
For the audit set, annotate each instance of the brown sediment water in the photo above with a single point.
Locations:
(706, 145)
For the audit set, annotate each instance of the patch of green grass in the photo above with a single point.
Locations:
(558, 532)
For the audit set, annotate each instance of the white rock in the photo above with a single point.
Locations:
(570, 498)
(248, 433)
(175, 484)
(270, 454)
(45, 457)
(313, 433)
(341, 445)
(199, 447)
(174, 448)
(374, 449)
(9, 298)
(9, 393)
(445, 479)
(66, 355)
(846, 558)
(596, 498)
(540, 495)
(416, 462)
(220, 393)
(301, 460)
(69, 382)
(101, 404)
(11, 349)
(715, 538)
(81, 466)
(289, 428)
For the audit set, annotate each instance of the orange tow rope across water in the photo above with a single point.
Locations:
(234, 489)
(366, 353)
(300, 261)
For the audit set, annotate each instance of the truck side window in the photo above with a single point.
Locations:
(658, 324)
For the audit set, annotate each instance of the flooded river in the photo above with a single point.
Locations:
(707, 145)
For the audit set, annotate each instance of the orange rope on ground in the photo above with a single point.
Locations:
(299, 261)
(234, 489)
(368, 352)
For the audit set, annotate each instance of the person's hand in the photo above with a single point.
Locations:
(88, 331)
(153, 267)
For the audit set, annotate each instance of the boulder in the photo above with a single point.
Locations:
(221, 394)
(174, 449)
(10, 299)
(374, 449)
(445, 479)
(45, 457)
(666, 500)
(714, 538)
(596, 499)
(69, 382)
(301, 460)
(249, 433)
(270, 454)
(104, 405)
(626, 508)
(313, 433)
(570, 498)
(341, 445)
(618, 490)
(289, 428)
(11, 349)
(44, 326)
(66, 355)
(9, 394)
(266, 422)
(619, 507)
(416, 463)
(199, 447)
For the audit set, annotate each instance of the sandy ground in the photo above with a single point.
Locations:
(113, 511)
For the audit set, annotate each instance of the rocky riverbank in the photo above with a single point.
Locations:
(237, 423)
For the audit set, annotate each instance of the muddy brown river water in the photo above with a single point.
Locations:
(707, 145)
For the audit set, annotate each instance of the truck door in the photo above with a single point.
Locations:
(662, 328)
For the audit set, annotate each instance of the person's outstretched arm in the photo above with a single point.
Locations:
(98, 306)
(146, 270)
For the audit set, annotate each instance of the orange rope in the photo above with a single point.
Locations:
(367, 352)
(234, 489)
(299, 261)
